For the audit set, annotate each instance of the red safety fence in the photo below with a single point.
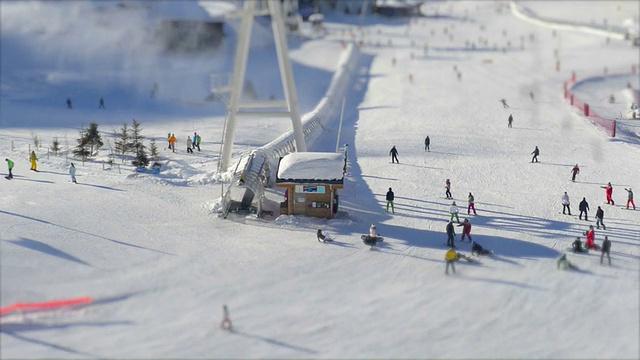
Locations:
(606, 125)
(48, 305)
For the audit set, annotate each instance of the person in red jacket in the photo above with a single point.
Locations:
(575, 171)
(609, 191)
(591, 237)
(466, 229)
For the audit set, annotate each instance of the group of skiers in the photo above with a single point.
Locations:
(192, 143)
(34, 166)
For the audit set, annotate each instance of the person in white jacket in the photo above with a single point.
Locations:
(453, 210)
(72, 172)
(565, 203)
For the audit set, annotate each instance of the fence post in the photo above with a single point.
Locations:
(11, 145)
(586, 110)
(613, 130)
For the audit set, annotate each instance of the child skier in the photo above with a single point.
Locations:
(609, 191)
(447, 185)
(453, 210)
(630, 198)
(472, 205)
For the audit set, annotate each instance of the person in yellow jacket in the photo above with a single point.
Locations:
(33, 158)
(450, 257)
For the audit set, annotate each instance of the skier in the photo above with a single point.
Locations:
(394, 155)
(390, 197)
(195, 140)
(591, 238)
(630, 198)
(447, 185)
(427, 142)
(606, 248)
(609, 191)
(479, 250)
(575, 171)
(510, 120)
(33, 158)
(564, 264)
(565, 203)
(10, 166)
(583, 207)
(472, 205)
(535, 154)
(453, 210)
(189, 145)
(72, 172)
(599, 218)
(69, 104)
(577, 245)
(450, 257)
(172, 142)
(198, 140)
(101, 103)
(466, 229)
(531, 95)
(169, 140)
(450, 234)
(504, 103)
(226, 320)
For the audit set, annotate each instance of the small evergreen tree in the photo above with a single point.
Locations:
(153, 149)
(138, 145)
(123, 142)
(55, 145)
(93, 138)
(82, 150)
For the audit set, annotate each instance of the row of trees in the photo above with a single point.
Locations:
(129, 140)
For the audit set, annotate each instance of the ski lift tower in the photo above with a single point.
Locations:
(275, 108)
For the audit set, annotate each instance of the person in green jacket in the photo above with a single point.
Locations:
(10, 165)
(198, 139)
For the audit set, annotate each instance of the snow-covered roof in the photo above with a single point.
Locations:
(311, 166)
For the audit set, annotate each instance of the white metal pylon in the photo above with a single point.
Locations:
(235, 107)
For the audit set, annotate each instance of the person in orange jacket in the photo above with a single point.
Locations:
(172, 142)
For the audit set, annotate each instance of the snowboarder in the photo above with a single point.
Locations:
(450, 257)
(575, 171)
(101, 103)
(466, 229)
(535, 154)
(198, 140)
(447, 185)
(390, 197)
(373, 238)
(583, 207)
(479, 250)
(565, 203)
(323, 237)
(577, 245)
(394, 155)
(195, 140)
(630, 198)
(510, 120)
(33, 158)
(427, 142)
(10, 166)
(450, 234)
(226, 320)
(504, 103)
(453, 210)
(472, 205)
(189, 145)
(72, 172)
(564, 264)
(591, 239)
(606, 248)
(69, 104)
(599, 218)
(609, 191)
(172, 142)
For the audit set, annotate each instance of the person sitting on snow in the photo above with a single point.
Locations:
(577, 246)
(564, 264)
(321, 236)
(478, 249)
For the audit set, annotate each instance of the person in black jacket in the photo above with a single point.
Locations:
(427, 142)
(583, 207)
(394, 155)
(390, 197)
(606, 247)
(599, 218)
(510, 120)
(577, 245)
(535, 154)
(450, 234)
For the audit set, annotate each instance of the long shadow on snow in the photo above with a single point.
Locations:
(46, 249)
(275, 342)
(48, 344)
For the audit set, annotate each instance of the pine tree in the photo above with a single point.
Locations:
(82, 150)
(55, 145)
(93, 138)
(123, 142)
(138, 145)
(153, 149)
